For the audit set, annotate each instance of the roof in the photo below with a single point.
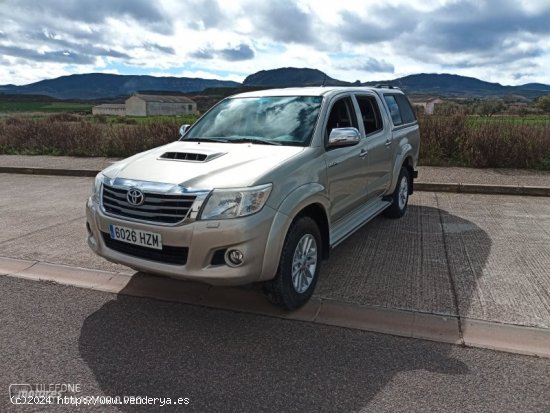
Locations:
(163, 98)
(111, 106)
(313, 91)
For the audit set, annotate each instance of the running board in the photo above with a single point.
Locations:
(351, 223)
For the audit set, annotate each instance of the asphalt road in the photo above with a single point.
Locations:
(227, 362)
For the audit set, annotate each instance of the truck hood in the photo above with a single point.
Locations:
(203, 165)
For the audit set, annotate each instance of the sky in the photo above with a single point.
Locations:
(505, 41)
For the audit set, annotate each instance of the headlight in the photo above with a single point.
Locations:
(96, 187)
(233, 203)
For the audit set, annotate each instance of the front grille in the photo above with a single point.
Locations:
(168, 255)
(161, 208)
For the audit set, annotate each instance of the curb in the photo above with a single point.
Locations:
(48, 171)
(418, 186)
(441, 328)
(524, 190)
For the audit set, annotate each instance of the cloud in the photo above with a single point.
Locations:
(143, 11)
(204, 14)
(459, 34)
(373, 65)
(60, 56)
(203, 54)
(480, 26)
(240, 52)
(283, 21)
(379, 26)
(156, 47)
(231, 54)
(489, 39)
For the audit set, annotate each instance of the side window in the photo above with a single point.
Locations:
(342, 115)
(394, 109)
(370, 114)
(407, 112)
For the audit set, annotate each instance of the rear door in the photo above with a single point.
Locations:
(379, 145)
(403, 118)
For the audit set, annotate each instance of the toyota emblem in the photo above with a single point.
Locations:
(135, 197)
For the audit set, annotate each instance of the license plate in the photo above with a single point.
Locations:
(136, 237)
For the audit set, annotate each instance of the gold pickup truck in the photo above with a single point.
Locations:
(260, 188)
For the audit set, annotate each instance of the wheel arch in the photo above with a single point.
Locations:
(404, 159)
(317, 212)
(310, 200)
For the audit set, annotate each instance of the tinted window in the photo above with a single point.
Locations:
(394, 109)
(370, 113)
(407, 112)
(342, 115)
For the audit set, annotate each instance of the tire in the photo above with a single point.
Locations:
(400, 196)
(297, 275)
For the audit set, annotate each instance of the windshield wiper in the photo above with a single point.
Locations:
(205, 140)
(252, 139)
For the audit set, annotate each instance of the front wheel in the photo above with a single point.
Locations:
(299, 266)
(400, 196)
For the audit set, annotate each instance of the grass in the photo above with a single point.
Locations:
(501, 142)
(49, 107)
(525, 120)
(457, 140)
(140, 120)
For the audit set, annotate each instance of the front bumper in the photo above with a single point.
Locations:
(203, 240)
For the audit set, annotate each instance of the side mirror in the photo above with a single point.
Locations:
(341, 137)
(183, 129)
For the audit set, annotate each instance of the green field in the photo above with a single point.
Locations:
(524, 120)
(49, 107)
(143, 120)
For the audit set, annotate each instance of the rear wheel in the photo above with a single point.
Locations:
(400, 196)
(299, 266)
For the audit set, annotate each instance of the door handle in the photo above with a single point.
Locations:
(388, 142)
(363, 153)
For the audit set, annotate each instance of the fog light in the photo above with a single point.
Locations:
(234, 258)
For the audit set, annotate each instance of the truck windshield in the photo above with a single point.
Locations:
(278, 120)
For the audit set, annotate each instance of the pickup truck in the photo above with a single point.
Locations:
(260, 188)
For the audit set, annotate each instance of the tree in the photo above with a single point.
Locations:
(543, 103)
(489, 107)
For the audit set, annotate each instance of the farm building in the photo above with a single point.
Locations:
(151, 105)
(109, 109)
(428, 105)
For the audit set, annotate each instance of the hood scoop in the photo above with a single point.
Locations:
(190, 156)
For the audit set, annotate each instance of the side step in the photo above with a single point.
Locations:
(348, 225)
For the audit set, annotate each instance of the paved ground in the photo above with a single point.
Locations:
(429, 174)
(477, 256)
(225, 361)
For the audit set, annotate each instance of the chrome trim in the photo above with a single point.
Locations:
(156, 188)
(135, 197)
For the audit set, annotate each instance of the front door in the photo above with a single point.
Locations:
(346, 167)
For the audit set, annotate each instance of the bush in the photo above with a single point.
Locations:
(506, 142)
(457, 139)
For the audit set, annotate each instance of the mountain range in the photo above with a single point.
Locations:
(95, 86)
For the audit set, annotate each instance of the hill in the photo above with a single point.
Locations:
(291, 76)
(96, 86)
(464, 86)
(103, 85)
